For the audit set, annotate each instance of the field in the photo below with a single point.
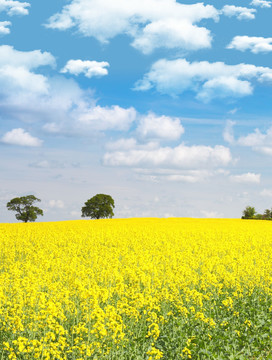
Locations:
(136, 289)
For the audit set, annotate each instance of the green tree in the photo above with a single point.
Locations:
(24, 207)
(267, 214)
(99, 206)
(249, 212)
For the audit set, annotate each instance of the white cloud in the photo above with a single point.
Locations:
(182, 156)
(266, 193)
(14, 7)
(108, 118)
(16, 71)
(172, 33)
(59, 103)
(4, 30)
(255, 44)
(152, 126)
(246, 178)
(254, 139)
(261, 3)
(86, 119)
(208, 80)
(258, 141)
(242, 13)
(151, 24)
(222, 87)
(88, 68)
(27, 59)
(56, 204)
(20, 137)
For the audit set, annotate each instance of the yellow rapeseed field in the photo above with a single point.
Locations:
(136, 289)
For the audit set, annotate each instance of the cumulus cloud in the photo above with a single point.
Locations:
(171, 34)
(16, 71)
(255, 139)
(249, 178)
(255, 44)
(87, 119)
(207, 80)
(29, 96)
(261, 3)
(27, 59)
(88, 68)
(113, 118)
(152, 126)
(258, 141)
(108, 118)
(182, 156)
(222, 87)
(4, 30)
(242, 13)
(151, 24)
(20, 137)
(13, 7)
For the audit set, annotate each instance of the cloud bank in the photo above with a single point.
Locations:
(182, 156)
(152, 24)
(207, 80)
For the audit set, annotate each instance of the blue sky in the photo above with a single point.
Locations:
(163, 104)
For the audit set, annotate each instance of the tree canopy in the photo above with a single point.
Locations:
(250, 213)
(24, 207)
(99, 206)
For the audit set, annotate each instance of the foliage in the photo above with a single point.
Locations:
(249, 212)
(136, 289)
(267, 214)
(99, 206)
(24, 207)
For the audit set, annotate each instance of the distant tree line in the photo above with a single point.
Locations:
(99, 206)
(251, 213)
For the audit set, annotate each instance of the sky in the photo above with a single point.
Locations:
(165, 105)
